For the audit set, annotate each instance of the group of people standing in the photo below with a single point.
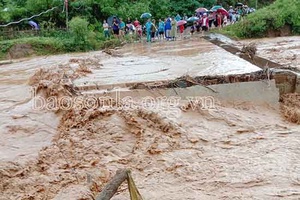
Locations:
(168, 28)
(236, 14)
(218, 20)
(163, 29)
(119, 28)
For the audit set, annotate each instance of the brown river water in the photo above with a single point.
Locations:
(238, 150)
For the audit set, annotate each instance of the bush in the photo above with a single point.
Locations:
(273, 17)
(83, 34)
(79, 29)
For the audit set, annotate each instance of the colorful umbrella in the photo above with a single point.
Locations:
(181, 22)
(192, 19)
(111, 19)
(34, 24)
(238, 4)
(215, 8)
(202, 10)
(146, 15)
(223, 11)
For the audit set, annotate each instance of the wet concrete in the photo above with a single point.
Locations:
(166, 61)
(286, 80)
(237, 92)
(232, 48)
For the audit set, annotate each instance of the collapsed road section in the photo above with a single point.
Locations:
(215, 132)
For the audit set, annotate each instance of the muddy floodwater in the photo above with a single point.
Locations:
(282, 50)
(235, 149)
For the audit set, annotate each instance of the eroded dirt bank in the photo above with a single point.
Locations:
(176, 151)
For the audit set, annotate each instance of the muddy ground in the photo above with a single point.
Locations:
(235, 150)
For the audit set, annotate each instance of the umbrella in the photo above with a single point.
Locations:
(146, 15)
(192, 19)
(181, 22)
(215, 8)
(34, 24)
(111, 19)
(223, 11)
(238, 4)
(202, 10)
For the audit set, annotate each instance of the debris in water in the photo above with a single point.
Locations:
(249, 50)
(290, 107)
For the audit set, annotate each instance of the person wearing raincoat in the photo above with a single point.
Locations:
(178, 17)
(148, 30)
(153, 30)
(173, 29)
(168, 28)
(161, 29)
(181, 30)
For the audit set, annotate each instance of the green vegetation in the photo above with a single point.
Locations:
(86, 17)
(55, 45)
(97, 10)
(270, 18)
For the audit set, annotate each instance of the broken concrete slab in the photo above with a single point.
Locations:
(257, 92)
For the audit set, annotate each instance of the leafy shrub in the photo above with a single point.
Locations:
(79, 29)
(273, 17)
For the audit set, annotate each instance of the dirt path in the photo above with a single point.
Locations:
(238, 150)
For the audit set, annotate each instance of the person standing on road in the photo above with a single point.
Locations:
(173, 29)
(233, 19)
(122, 27)
(116, 27)
(218, 21)
(153, 30)
(161, 29)
(168, 28)
(128, 21)
(181, 30)
(148, 30)
(136, 23)
(204, 23)
(230, 11)
(185, 17)
(193, 28)
(210, 19)
(106, 29)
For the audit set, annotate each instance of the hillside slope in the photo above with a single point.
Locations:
(280, 18)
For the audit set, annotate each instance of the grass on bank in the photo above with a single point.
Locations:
(79, 38)
(272, 17)
(52, 45)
